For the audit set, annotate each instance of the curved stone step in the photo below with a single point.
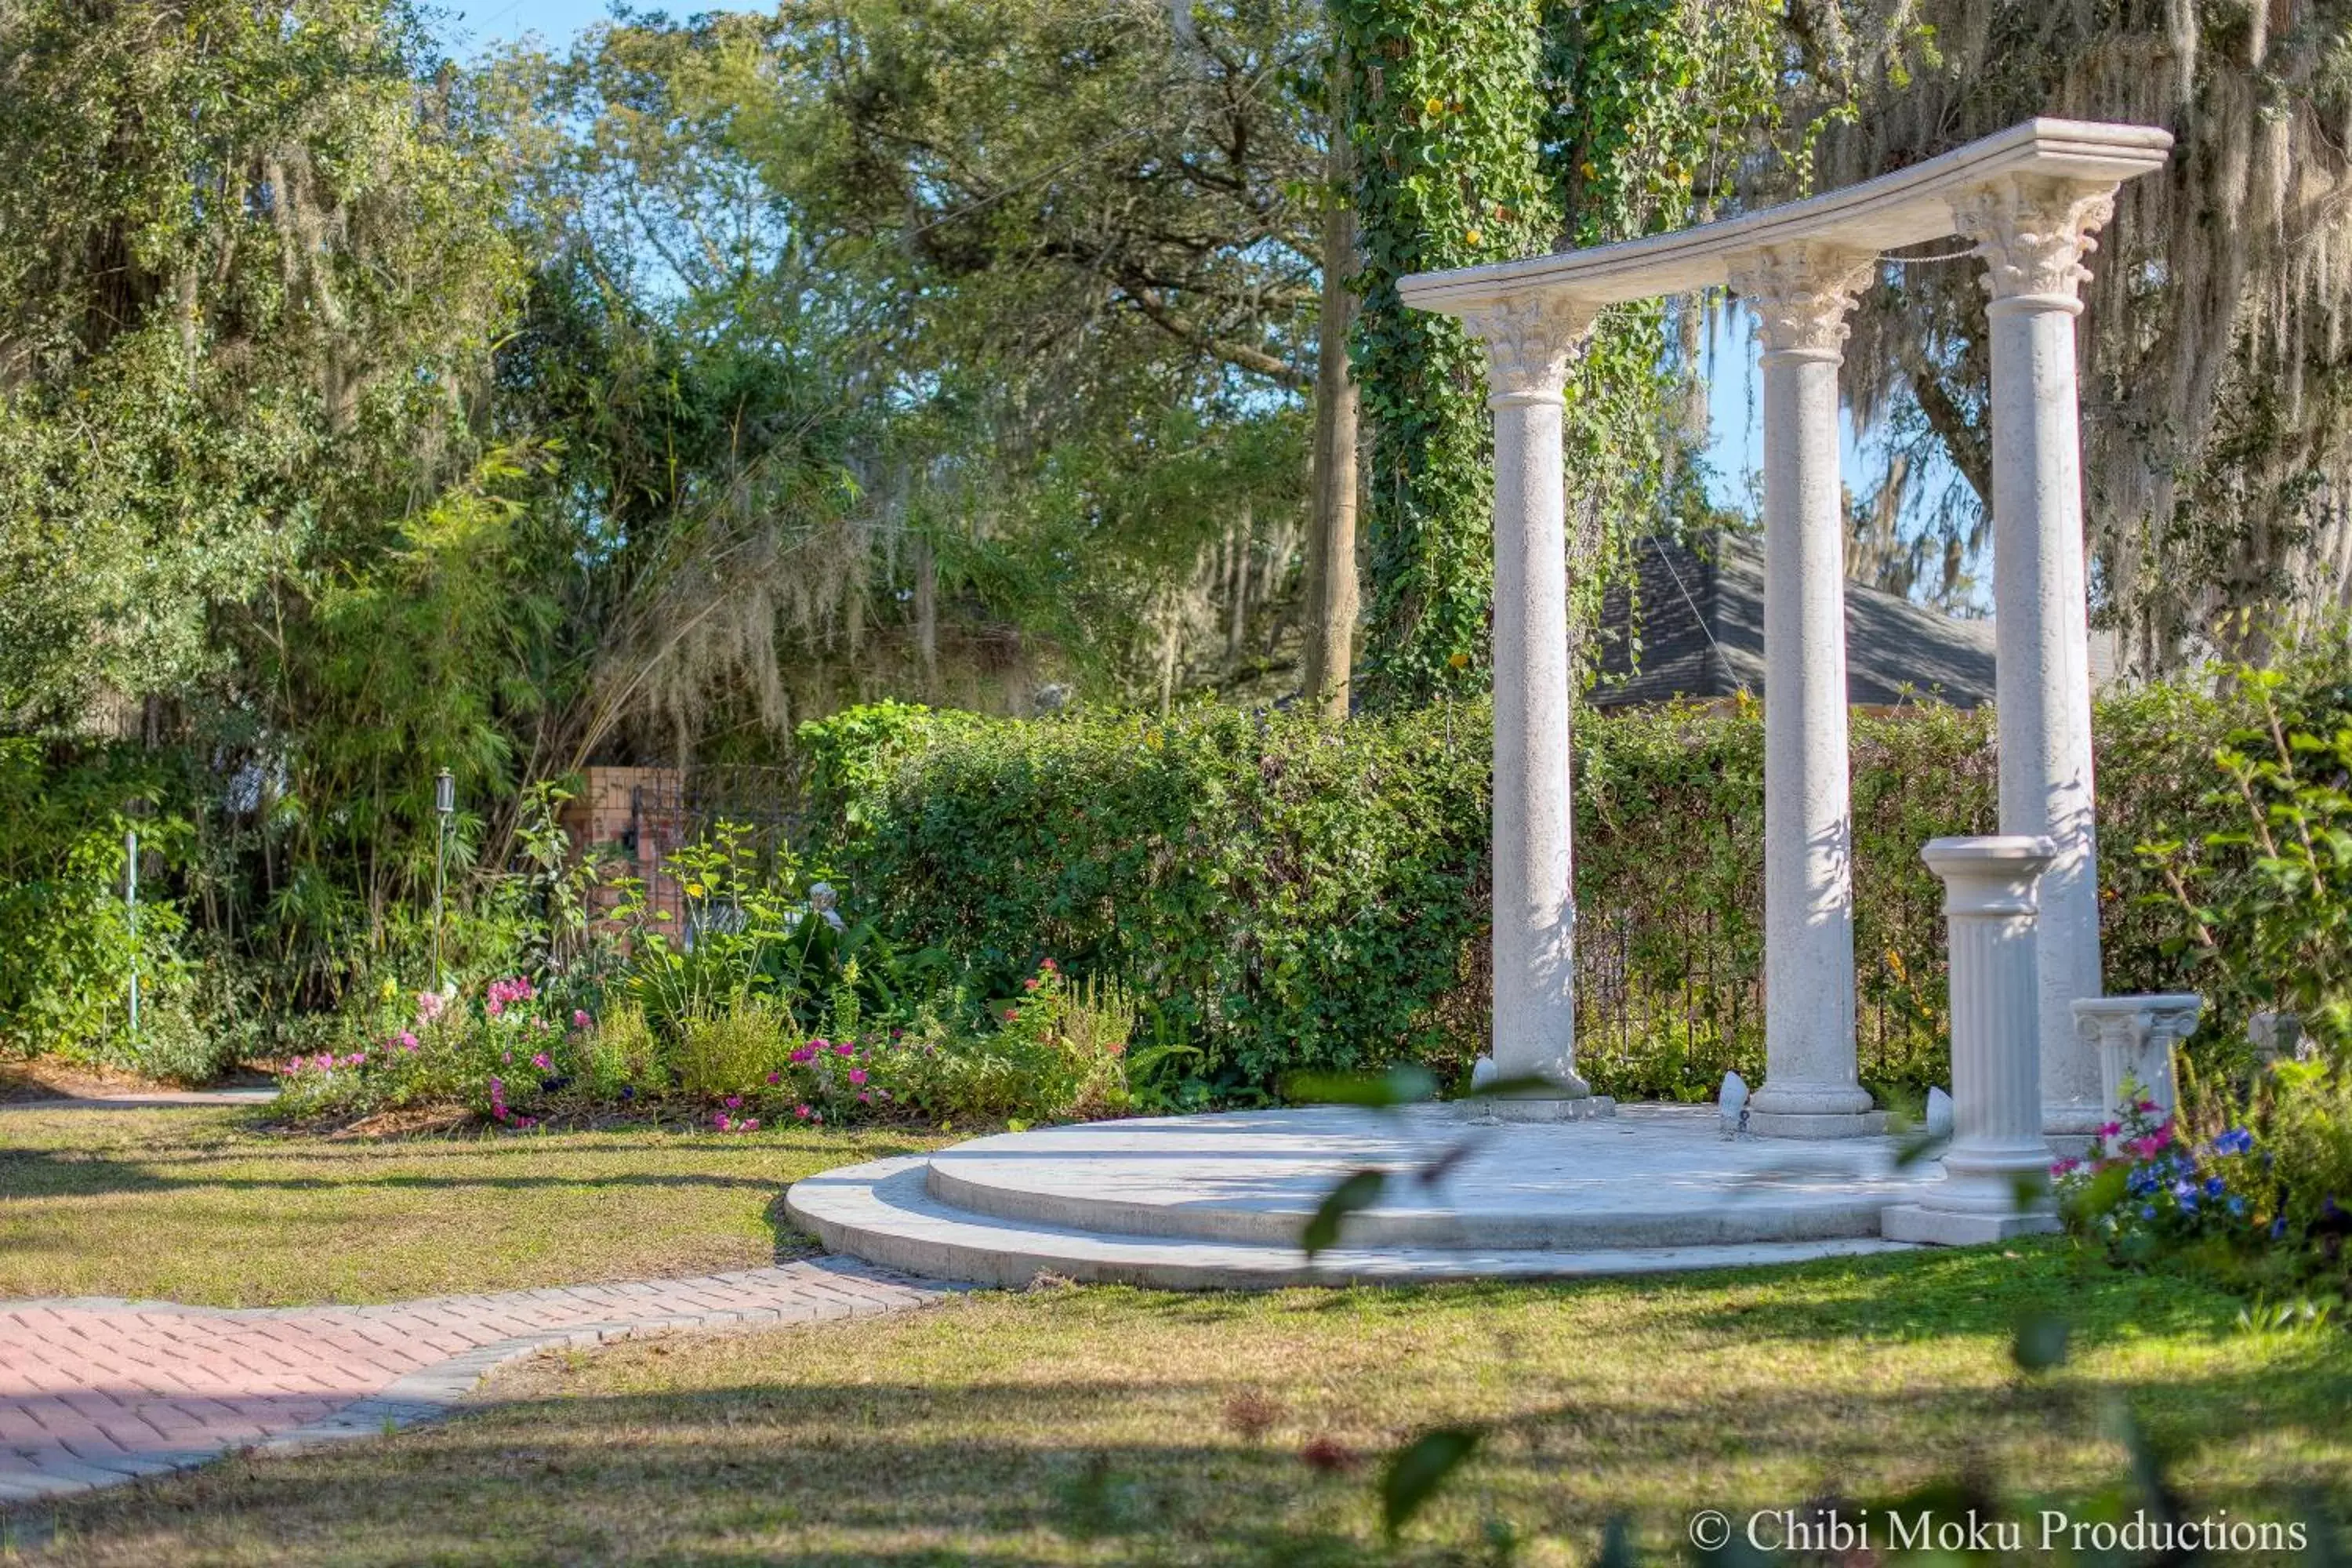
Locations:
(1651, 1176)
(884, 1212)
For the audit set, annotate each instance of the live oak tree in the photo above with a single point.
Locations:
(2217, 374)
(250, 264)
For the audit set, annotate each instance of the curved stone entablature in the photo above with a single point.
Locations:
(2030, 199)
(1909, 206)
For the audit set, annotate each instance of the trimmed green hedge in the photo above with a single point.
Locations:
(1292, 896)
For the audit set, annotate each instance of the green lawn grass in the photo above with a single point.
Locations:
(190, 1204)
(1105, 1426)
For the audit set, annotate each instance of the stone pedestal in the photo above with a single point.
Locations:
(1800, 294)
(1527, 345)
(2034, 231)
(2131, 1038)
(1997, 1170)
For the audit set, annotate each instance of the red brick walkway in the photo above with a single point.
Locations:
(94, 1392)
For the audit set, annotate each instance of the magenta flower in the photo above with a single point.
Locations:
(543, 1062)
(844, 1049)
(802, 1111)
(775, 1076)
(734, 1102)
(580, 1019)
(804, 1054)
(857, 1074)
(407, 1041)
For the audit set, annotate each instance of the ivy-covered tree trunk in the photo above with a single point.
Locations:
(1332, 604)
(1447, 112)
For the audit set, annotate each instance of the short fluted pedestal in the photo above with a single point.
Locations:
(2133, 1037)
(1996, 1172)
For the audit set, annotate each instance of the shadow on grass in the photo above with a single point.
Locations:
(899, 1472)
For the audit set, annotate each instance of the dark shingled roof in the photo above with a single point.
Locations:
(1894, 649)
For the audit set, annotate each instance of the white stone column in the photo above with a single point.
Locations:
(1801, 293)
(2133, 1037)
(1527, 345)
(1997, 1171)
(2033, 231)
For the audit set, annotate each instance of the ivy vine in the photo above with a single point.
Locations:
(1491, 130)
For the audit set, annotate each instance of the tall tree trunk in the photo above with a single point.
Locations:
(1238, 586)
(1331, 529)
(927, 612)
(1172, 633)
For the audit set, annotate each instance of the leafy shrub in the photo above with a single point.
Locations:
(1286, 896)
(731, 1054)
(67, 946)
(2267, 895)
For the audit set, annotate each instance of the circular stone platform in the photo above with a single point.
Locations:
(1202, 1202)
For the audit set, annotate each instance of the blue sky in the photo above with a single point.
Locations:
(472, 26)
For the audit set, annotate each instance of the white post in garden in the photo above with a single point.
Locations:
(2131, 1040)
(1997, 1167)
(2033, 230)
(1802, 293)
(1528, 341)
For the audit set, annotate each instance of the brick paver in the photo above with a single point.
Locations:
(94, 1392)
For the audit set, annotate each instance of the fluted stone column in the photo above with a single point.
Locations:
(1801, 293)
(1527, 345)
(1997, 1170)
(2033, 231)
(2131, 1038)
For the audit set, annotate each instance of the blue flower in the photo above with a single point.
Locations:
(2236, 1140)
(2214, 1186)
(2147, 1211)
(2278, 1227)
(2237, 1205)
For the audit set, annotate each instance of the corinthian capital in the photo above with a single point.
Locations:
(2034, 231)
(1529, 339)
(1801, 293)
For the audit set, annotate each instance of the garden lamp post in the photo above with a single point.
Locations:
(444, 808)
(130, 911)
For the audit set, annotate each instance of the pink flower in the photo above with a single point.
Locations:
(865, 1100)
(407, 1041)
(844, 1049)
(2064, 1167)
(734, 1102)
(580, 1019)
(804, 1054)
(1029, 985)
(751, 1124)
(719, 1122)
(802, 1111)
(1010, 1014)
(775, 1077)
(857, 1074)
(494, 1007)
(1046, 964)
(543, 1063)
(428, 1005)
(2111, 1130)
